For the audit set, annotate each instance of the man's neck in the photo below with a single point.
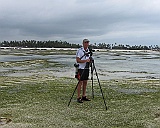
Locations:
(85, 48)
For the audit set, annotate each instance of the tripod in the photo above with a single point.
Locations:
(93, 68)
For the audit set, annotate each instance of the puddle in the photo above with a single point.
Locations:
(132, 91)
(136, 91)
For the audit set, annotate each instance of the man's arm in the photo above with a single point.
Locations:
(82, 61)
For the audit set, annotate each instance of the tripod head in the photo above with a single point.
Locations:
(91, 51)
(89, 64)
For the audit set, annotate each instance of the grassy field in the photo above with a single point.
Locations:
(41, 102)
(37, 99)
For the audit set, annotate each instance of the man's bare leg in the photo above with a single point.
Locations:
(84, 91)
(84, 87)
(79, 89)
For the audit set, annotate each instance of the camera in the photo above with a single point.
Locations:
(76, 70)
(76, 65)
(91, 51)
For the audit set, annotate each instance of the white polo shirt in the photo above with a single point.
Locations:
(79, 54)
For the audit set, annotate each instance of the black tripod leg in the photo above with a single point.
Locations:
(75, 88)
(73, 93)
(100, 86)
(92, 80)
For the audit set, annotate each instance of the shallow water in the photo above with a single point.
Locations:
(132, 90)
(109, 64)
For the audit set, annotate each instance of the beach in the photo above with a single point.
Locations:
(36, 86)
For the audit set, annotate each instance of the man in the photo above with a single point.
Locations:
(82, 59)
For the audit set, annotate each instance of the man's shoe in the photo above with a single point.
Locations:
(84, 98)
(79, 100)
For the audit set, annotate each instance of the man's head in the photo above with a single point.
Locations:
(85, 43)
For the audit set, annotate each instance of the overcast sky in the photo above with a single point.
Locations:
(133, 22)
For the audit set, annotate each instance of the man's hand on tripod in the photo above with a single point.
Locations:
(88, 60)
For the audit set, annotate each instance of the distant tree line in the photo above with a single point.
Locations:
(38, 44)
(125, 47)
(65, 44)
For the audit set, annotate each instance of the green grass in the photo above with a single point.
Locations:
(42, 103)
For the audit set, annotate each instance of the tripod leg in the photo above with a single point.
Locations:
(92, 80)
(73, 94)
(75, 88)
(100, 86)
